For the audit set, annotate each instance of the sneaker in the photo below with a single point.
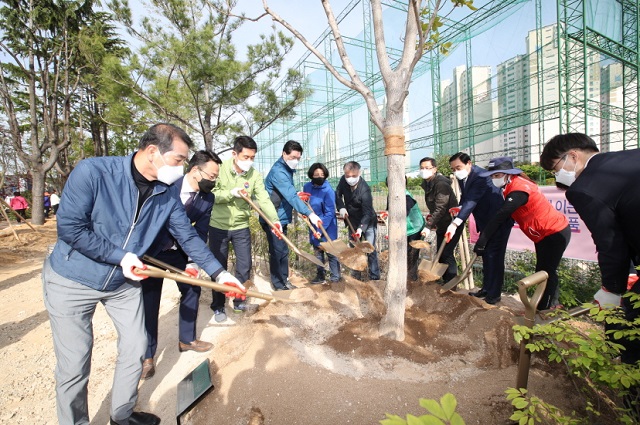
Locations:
(219, 316)
(318, 280)
(240, 307)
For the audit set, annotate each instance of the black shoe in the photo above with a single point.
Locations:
(289, 285)
(479, 294)
(492, 300)
(137, 418)
(318, 281)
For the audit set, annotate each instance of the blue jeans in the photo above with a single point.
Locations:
(370, 235)
(334, 265)
(278, 257)
(219, 240)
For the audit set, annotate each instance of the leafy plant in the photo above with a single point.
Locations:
(531, 410)
(439, 413)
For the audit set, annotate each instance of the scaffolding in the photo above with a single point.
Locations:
(579, 74)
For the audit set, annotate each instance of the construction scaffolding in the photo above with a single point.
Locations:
(578, 73)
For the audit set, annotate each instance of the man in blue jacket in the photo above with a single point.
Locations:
(196, 196)
(112, 211)
(279, 185)
(482, 198)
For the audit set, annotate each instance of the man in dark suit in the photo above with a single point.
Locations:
(483, 199)
(195, 194)
(603, 188)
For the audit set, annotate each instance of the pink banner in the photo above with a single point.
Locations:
(580, 247)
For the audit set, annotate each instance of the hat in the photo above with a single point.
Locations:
(502, 164)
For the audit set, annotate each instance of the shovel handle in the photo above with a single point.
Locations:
(538, 279)
(269, 222)
(306, 220)
(436, 260)
(322, 229)
(346, 219)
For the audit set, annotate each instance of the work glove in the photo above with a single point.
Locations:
(317, 235)
(451, 230)
(277, 230)
(425, 233)
(384, 216)
(454, 211)
(304, 196)
(128, 262)
(226, 278)
(343, 213)
(192, 270)
(238, 192)
(479, 250)
(357, 235)
(606, 299)
(315, 220)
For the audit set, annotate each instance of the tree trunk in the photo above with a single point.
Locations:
(37, 194)
(392, 325)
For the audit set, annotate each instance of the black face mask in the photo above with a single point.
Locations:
(206, 185)
(318, 181)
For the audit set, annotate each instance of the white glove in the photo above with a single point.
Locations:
(315, 220)
(128, 262)
(359, 233)
(425, 232)
(343, 213)
(451, 230)
(606, 299)
(236, 192)
(192, 270)
(226, 277)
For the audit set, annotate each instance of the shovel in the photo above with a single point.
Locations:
(365, 246)
(333, 247)
(295, 249)
(434, 269)
(298, 296)
(453, 282)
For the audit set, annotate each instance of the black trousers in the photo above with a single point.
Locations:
(413, 255)
(493, 260)
(219, 241)
(548, 255)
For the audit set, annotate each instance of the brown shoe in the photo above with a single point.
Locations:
(148, 369)
(197, 345)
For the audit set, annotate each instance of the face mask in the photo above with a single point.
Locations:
(498, 182)
(292, 163)
(352, 181)
(168, 174)
(426, 174)
(206, 185)
(566, 177)
(461, 174)
(318, 181)
(244, 165)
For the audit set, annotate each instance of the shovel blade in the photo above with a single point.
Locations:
(311, 258)
(354, 259)
(334, 248)
(420, 244)
(439, 269)
(365, 247)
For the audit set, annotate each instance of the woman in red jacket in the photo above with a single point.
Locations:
(544, 225)
(19, 205)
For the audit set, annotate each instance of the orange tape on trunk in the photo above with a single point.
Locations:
(394, 141)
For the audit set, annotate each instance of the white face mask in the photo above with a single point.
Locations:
(566, 177)
(292, 163)
(461, 174)
(244, 165)
(498, 182)
(426, 174)
(352, 181)
(168, 174)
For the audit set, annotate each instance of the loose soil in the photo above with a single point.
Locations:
(320, 362)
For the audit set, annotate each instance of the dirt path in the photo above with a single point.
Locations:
(313, 363)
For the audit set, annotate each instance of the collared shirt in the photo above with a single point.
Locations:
(186, 190)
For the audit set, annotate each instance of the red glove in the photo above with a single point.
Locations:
(317, 235)
(454, 211)
(304, 196)
(236, 295)
(191, 272)
(277, 230)
(384, 215)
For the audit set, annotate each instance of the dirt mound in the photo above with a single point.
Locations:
(31, 243)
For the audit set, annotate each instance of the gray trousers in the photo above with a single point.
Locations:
(71, 306)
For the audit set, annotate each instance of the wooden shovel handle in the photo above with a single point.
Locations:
(269, 222)
(322, 229)
(346, 219)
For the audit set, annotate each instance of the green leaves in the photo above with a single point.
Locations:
(443, 413)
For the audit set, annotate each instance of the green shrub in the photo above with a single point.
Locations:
(439, 413)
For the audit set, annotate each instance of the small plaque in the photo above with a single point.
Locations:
(193, 387)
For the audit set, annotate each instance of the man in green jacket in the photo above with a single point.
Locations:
(230, 215)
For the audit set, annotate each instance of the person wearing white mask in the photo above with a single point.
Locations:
(353, 199)
(547, 228)
(230, 216)
(279, 185)
(112, 210)
(603, 189)
(482, 198)
(440, 198)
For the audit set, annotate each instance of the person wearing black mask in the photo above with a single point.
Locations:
(196, 196)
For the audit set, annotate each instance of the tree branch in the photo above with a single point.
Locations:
(378, 32)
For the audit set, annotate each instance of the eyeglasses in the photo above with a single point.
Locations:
(558, 162)
(207, 175)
